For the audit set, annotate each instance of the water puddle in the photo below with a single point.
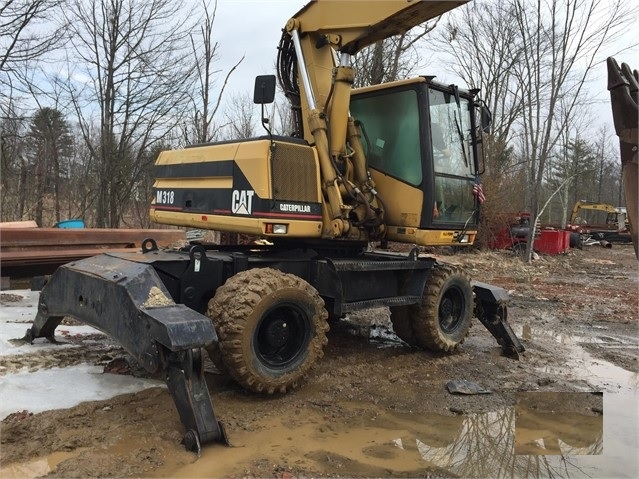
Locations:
(579, 364)
(542, 436)
(38, 468)
(528, 333)
(558, 423)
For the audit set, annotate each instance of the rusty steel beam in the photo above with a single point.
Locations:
(17, 239)
(26, 252)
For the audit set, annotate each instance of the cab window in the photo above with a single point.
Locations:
(451, 143)
(391, 123)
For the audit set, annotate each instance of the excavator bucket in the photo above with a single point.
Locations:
(163, 336)
(623, 85)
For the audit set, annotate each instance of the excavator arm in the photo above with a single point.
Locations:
(316, 75)
(352, 25)
(323, 27)
(623, 84)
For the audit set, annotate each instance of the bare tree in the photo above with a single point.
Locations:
(533, 61)
(282, 118)
(205, 103)
(28, 30)
(240, 117)
(561, 44)
(482, 40)
(391, 59)
(13, 177)
(485, 45)
(134, 72)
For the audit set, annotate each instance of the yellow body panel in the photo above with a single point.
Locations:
(277, 183)
(403, 202)
(216, 182)
(393, 84)
(198, 154)
(252, 158)
(403, 212)
(429, 237)
(234, 224)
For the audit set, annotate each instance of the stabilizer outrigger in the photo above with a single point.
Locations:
(153, 304)
(128, 301)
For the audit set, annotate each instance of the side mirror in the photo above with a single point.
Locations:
(486, 119)
(264, 92)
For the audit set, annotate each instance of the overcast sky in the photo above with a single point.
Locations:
(253, 28)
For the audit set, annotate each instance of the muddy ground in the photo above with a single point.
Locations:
(374, 407)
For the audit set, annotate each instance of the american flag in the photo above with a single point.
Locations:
(478, 191)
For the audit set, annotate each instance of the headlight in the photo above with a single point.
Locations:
(276, 229)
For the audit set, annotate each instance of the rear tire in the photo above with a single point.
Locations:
(401, 317)
(271, 328)
(442, 320)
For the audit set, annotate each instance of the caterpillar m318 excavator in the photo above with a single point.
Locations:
(396, 162)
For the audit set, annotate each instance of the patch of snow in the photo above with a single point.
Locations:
(54, 388)
(23, 310)
(61, 388)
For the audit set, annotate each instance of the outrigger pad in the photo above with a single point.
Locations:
(128, 301)
(491, 308)
(186, 383)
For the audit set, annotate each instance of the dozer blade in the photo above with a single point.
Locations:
(491, 309)
(128, 301)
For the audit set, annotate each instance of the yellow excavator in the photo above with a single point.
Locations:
(398, 161)
(616, 216)
(616, 227)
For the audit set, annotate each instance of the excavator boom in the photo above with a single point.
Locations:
(351, 25)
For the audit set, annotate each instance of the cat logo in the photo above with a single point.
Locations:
(242, 202)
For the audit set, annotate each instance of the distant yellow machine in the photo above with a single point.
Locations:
(615, 228)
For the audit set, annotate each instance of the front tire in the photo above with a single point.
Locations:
(271, 328)
(442, 320)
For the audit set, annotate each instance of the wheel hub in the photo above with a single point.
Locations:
(450, 310)
(281, 336)
(277, 333)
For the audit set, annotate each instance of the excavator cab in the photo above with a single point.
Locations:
(421, 141)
